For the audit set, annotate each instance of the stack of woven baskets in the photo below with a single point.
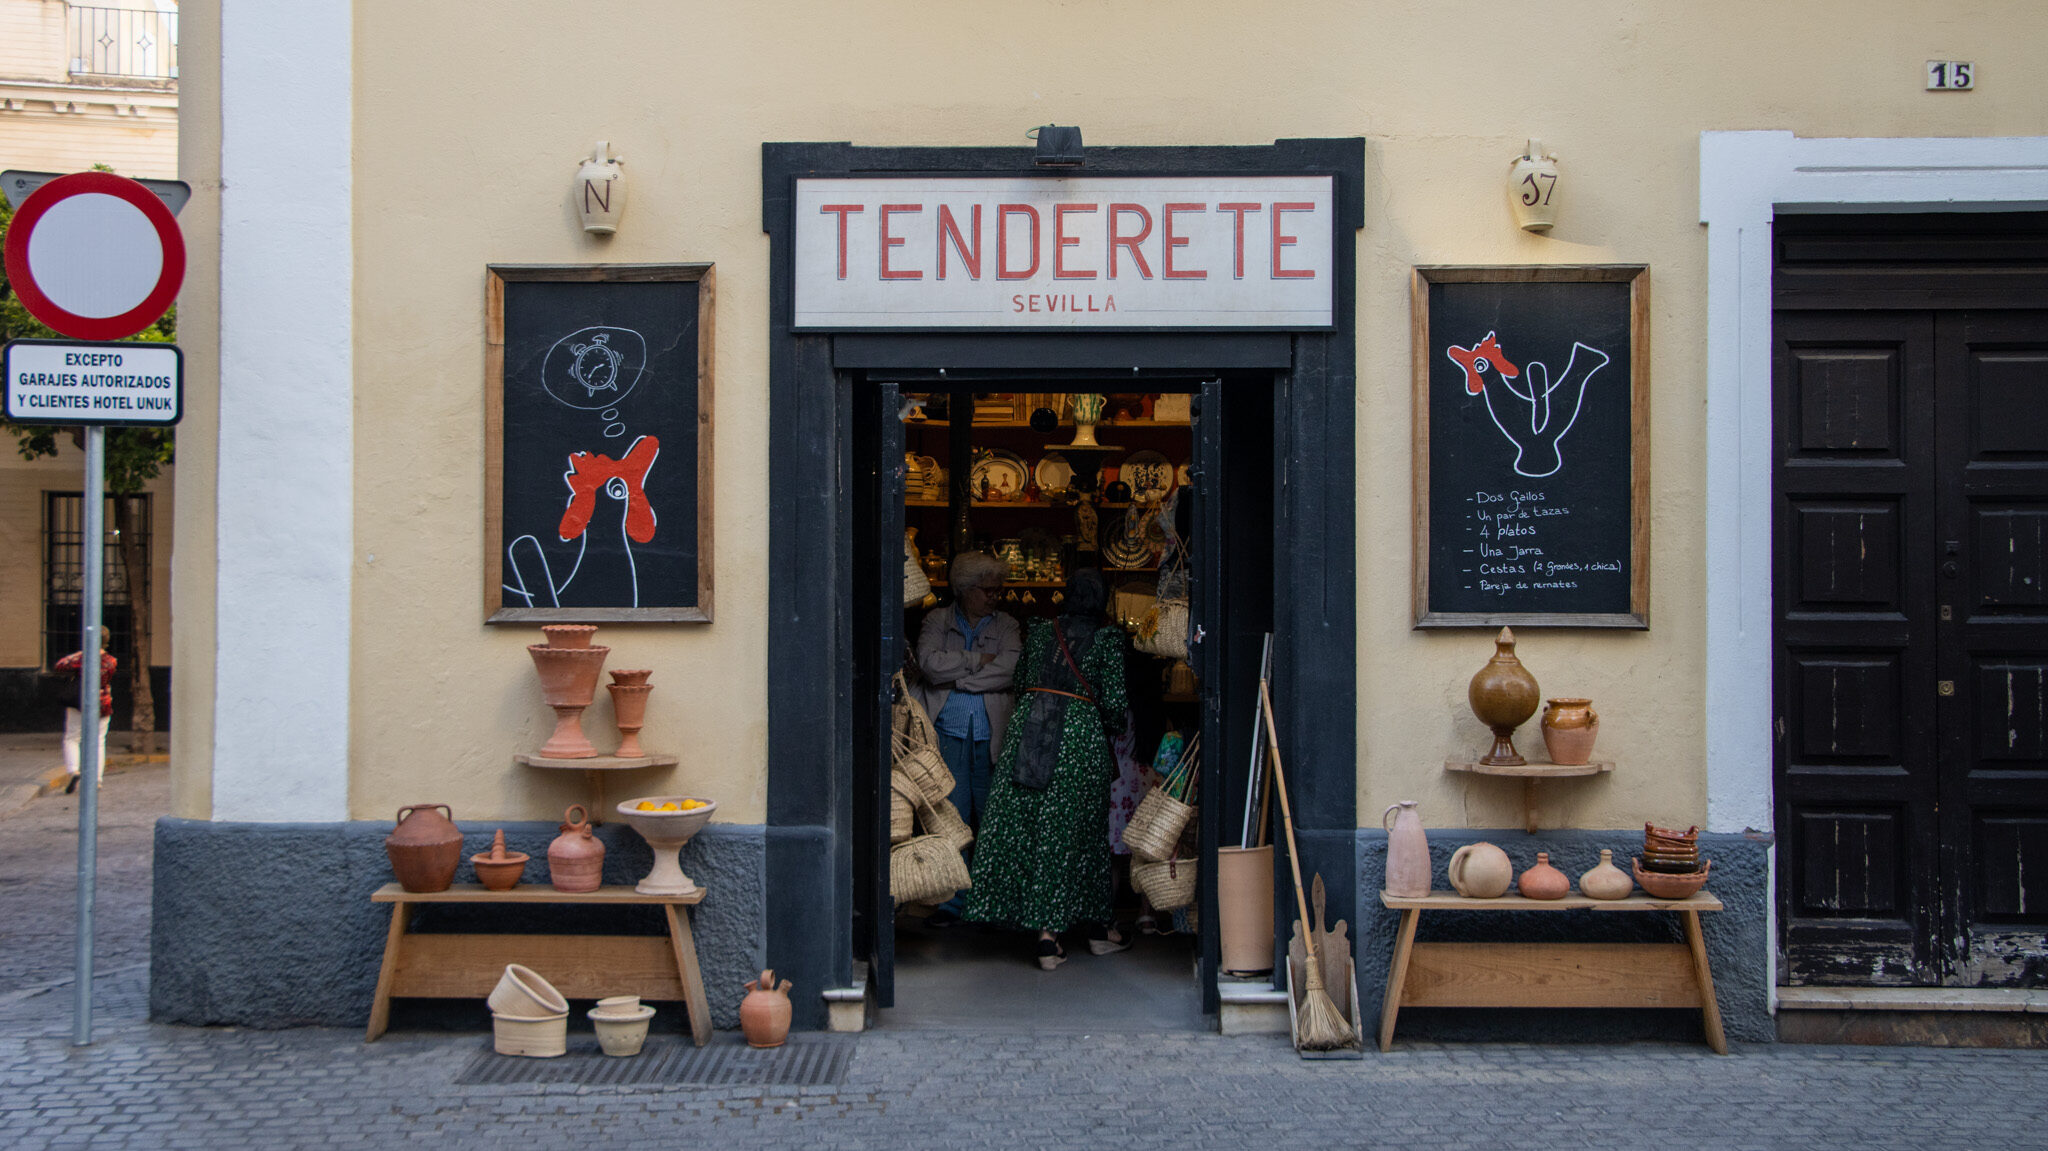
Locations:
(1158, 868)
(926, 831)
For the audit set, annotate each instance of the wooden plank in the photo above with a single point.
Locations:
(528, 893)
(684, 945)
(460, 966)
(1418, 447)
(1710, 1008)
(707, 291)
(1452, 901)
(394, 941)
(597, 763)
(1532, 770)
(1550, 975)
(1397, 977)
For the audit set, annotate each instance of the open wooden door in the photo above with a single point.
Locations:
(877, 619)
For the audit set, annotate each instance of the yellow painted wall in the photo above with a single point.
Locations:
(467, 131)
(51, 121)
(23, 485)
(198, 459)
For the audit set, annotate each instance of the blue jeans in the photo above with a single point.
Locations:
(968, 760)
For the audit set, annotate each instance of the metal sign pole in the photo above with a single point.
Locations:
(90, 752)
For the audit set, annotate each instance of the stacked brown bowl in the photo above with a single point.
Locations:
(1670, 866)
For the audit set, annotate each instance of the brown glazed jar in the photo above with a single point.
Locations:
(576, 857)
(425, 849)
(1503, 694)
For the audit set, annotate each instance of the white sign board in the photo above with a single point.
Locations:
(1067, 252)
(54, 382)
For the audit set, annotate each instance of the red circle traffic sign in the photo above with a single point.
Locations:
(95, 256)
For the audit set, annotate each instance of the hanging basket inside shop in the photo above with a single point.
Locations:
(926, 869)
(942, 818)
(903, 799)
(914, 746)
(1168, 883)
(1155, 827)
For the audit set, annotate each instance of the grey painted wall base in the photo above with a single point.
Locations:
(271, 925)
(1736, 940)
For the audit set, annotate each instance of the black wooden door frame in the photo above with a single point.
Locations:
(812, 640)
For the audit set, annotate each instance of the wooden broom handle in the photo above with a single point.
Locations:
(1308, 939)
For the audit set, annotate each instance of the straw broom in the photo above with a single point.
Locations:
(1320, 1024)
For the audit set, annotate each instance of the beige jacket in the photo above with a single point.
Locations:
(947, 665)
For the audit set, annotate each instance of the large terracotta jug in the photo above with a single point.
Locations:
(1408, 867)
(425, 848)
(764, 1013)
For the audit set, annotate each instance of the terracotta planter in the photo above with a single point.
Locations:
(426, 848)
(631, 676)
(576, 857)
(764, 1013)
(1569, 728)
(1481, 871)
(1544, 881)
(1503, 695)
(629, 709)
(498, 869)
(1408, 869)
(1244, 908)
(568, 665)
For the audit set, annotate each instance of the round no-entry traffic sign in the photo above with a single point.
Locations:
(95, 256)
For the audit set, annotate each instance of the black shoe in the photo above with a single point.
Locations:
(1050, 954)
(941, 919)
(71, 785)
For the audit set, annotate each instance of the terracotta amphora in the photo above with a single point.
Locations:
(1544, 881)
(1606, 881)
(1481, 871)
(576, 857)
(1408, 869)
(1503, 694)
(426, 847)
(1569, 728)
(764, 1013)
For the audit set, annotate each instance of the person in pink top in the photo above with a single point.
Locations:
(74, 716)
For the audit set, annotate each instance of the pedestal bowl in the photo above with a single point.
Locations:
(666, 832)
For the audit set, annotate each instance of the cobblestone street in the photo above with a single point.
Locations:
(142, 1085)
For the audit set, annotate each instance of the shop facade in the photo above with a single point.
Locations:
(337, 662)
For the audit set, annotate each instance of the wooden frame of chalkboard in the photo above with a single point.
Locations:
(1532, 483)
(597, 443)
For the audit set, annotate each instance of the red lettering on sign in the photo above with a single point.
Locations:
(1003, 270)
(889, 241)
(1131, 242)
(843, 211)
(1280, 241)
(1238, 210)
(1062, 241)
(948, 226)
(1169, 241)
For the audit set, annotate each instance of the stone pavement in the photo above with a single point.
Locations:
(143, 1085)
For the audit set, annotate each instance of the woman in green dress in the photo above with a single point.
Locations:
(1041, 862)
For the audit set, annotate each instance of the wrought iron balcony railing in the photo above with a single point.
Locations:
(124, 42)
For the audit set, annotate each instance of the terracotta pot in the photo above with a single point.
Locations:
(630, 676)
(1606, 881)
(1503, 695)
(629, 709)
(1481, 871)
(568, 634)
(1544, 881)
(1408, 870)
(1569, 728)
(568, 665)
(576, 857)
(1244, 908)
(498, 869)
(764, 1013)
(1672, 886)
(426, 848)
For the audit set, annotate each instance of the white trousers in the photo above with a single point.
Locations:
(74, 730)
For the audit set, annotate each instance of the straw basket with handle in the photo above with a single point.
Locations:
(1156, 826)
(914, 746)
(903, 801)
(1168, 883)
(926, 869)
(943, 819)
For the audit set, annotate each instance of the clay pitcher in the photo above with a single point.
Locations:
(1480, 871)
(426, 848)
(1569, 727)
(576, 857)
(1503, 694)
(764, 1013)
(1544, 881)
(1408, 867)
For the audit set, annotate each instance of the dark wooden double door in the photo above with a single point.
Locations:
(1911, 678)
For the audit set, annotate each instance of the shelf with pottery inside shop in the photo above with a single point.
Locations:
(1503, 695)
(568, 665)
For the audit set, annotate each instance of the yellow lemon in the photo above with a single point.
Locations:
(646, 805)
(670, 807)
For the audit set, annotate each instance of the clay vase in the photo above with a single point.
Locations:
(498, 869)
(1606, 881)
(1544, 881)
(629, 707)
(1503, 695)
(568, 665)
(1408, 869)
(1481, 871)
(764, 1013)
(425, 848)
(576, 857)
(1569, 727)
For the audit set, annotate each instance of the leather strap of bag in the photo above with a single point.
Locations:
(1060, 634)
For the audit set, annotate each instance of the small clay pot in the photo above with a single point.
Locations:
(425, 848)
(498, 869)
(1606, 881)
(1544, 881)
(1569, 728)
(764, 1013)
(576, 857)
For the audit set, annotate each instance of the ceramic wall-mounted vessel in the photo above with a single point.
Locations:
(1481, 871)
(1569, 728)
(425, 848)
(1544, 881)
(1606, 881)
(1503, 695)
(576, 857)
(1408, 869)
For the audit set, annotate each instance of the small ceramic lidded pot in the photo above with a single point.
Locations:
(425, 848)
(576, 857)
(764, 1013)
(1408, 870)
(1481, 871)
(1544, 881)
(1569, 728)
(1606, 881)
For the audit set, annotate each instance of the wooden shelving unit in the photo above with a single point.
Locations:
(1529, 773)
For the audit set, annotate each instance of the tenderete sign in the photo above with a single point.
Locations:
(1066, 252)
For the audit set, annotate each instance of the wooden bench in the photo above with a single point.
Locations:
(1551, 974)
(468, 966)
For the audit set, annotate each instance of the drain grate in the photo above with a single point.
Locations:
(804, 1061)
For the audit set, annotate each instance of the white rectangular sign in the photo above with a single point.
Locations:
(64, 382)
(1066, 252)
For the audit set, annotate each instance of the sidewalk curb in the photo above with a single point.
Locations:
(16, 799)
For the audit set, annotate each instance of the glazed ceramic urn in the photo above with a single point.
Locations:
(576, 857)
(425, 848)
(1408, 869)
(1503, 695)
(1569, 728)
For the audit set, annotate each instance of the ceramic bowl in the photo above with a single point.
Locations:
(522, 993)
(1665, 886)
(666, 826)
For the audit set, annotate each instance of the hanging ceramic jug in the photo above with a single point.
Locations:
(764, 1013)
(425, 848)
(576, 857)
(1480, 871)
(1503, 694)
(1569, 728)
(1408, 867)
(1606, 881)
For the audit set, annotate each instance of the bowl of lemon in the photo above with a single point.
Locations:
(667, 822)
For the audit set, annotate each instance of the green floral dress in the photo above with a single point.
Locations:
(1042, 859)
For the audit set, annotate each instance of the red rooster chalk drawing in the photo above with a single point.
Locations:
(1535, 435)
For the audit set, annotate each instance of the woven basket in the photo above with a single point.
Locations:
(903, 799)
(914, 748)
(1156, 826)
(1168, 883)
(942, 818)
(926, 869)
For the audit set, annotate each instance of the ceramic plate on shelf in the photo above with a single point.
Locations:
(1002, 474)
(1127, 547)
(1055, 474)
(1150, 474)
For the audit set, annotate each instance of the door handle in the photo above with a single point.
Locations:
(1949, 569)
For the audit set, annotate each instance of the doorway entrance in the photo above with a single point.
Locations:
(1911, 600)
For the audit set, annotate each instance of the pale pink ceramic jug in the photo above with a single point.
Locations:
(1408, 869)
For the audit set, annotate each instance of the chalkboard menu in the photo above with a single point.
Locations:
(598, 446)
(1531, 447)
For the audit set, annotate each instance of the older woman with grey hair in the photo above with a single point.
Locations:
(968, 652)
